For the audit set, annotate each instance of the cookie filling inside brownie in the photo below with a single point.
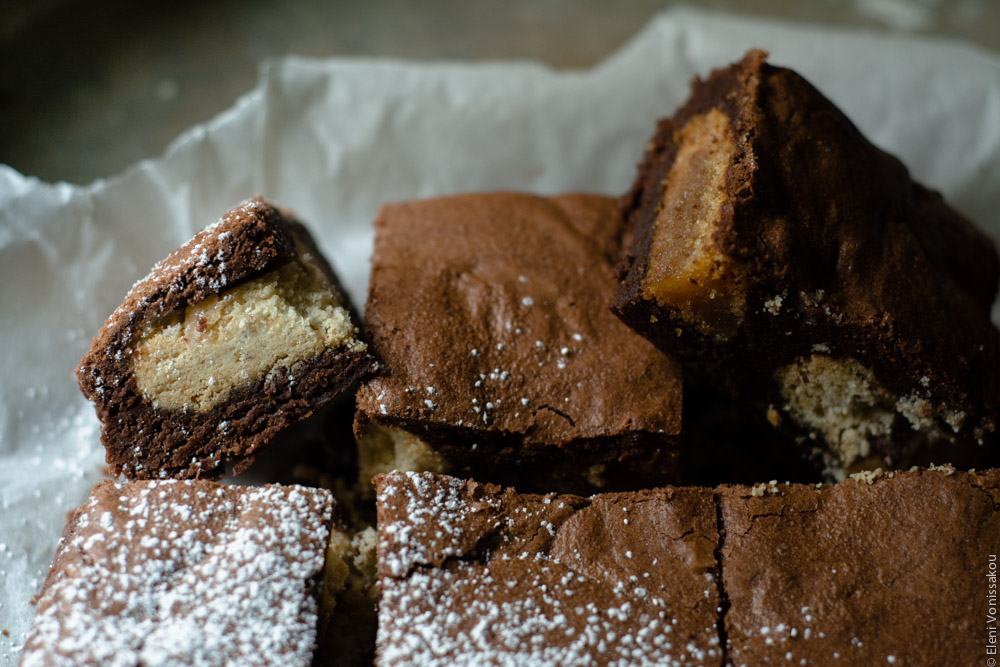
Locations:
(686, 270)
(347, 612)
(235, 336)
(382, 449)
(841, 400)
(788, 262)
(192, 359)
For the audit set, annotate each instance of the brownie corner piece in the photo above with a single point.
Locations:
(788, 261)
(237, 334)
(474, 573)
(878, 569)
(185, 572)
(490, 314)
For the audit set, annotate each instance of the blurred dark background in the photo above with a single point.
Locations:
(88, 88)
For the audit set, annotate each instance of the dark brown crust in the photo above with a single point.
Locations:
(866, 569)
(145, 442)
(907, 281)
(612, 554)
(872, 571)
(480, 301)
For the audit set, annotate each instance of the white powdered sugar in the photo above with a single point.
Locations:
(470, 578)
(435, 511)
(193, 573)
(454, 617)
(191, 261)
(423, 624)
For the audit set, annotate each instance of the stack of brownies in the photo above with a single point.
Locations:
(774, 298)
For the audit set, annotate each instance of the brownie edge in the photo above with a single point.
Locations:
(473, 573)
(185, 572)
(490, 314)
(880, 569)
(172, 372)
(789, 262)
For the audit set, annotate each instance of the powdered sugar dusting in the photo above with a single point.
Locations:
(453, 616)
(177, 572)
(434, 530)
(458, 590)
(195, 254)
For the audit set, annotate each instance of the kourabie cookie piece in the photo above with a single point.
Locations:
(790, 262)
(490, 313)
(348, 618)
(185, 572)
(236, 335)
(876, 570)
(472, 574)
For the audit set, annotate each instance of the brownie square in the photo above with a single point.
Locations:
(791, 263)
(185, 572)
(490, 314)
(239, 333)
(474, 573)
(889, 569)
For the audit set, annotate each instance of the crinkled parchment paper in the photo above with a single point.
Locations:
(334, 139)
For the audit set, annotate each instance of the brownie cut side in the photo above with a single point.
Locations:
(876, 570)
(236, 335)
(490, 314)
(789, 262)
(186, 572)
(473, 573)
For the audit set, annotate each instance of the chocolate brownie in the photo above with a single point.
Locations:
(790, 262)
(239, 333)
(490, 313)
(185, 572)
(889, 569)
(472, 573)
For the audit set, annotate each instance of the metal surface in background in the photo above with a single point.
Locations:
(88, 88)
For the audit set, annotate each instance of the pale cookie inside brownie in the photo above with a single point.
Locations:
(842, 400)
(235, 336)
(686, 269)
(790, 263)
(382, 449)
(192, 359)
(348, 619)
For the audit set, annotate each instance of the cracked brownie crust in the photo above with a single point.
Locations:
(795, 265)
(882, 569)
(474, 574)
(490, 314)
(236, 335)
(878, 569)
